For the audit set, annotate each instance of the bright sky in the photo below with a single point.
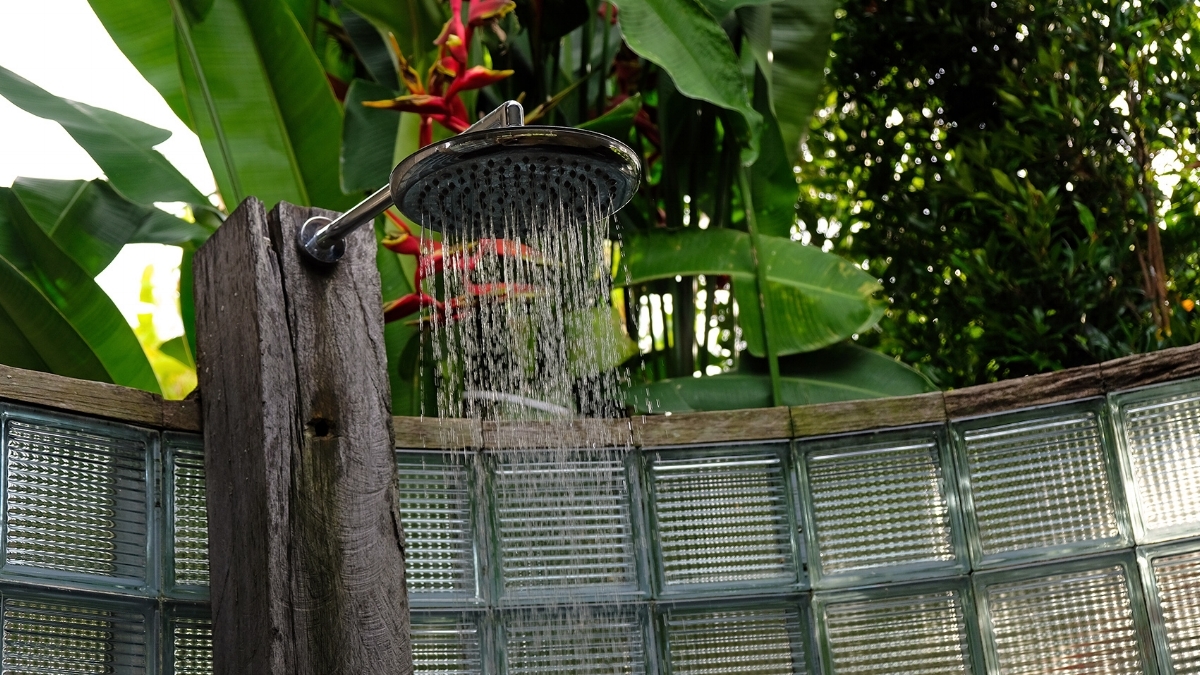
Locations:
(78, 60)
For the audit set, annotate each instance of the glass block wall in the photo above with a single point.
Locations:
(103, 547)
(1062, 539)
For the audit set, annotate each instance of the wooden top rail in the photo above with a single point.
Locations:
(98, 399)
(138, 407)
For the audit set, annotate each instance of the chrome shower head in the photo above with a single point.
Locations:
(498, 172)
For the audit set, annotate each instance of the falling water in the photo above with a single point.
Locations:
(525, 338)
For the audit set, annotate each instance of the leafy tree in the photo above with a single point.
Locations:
(1020, 176)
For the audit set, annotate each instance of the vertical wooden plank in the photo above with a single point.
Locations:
(305, 535)
(347, 542)
(246, 370)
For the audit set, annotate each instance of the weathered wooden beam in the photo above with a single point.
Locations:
(305, 542)
(755, 424)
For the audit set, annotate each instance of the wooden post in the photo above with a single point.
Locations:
(305, 543)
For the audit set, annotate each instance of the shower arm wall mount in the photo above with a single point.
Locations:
(323, 240)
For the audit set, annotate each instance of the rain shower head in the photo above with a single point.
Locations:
(499, 173)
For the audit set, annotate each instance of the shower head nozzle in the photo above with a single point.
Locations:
(500, 173)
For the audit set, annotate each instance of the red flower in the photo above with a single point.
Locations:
(437, 99)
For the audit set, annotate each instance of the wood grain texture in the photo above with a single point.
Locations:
(1025, 392)
(306, 547)
(97, 399)
(1141, 370)
(348, 585)
(246, 369)
(876, 413)
(431, 432)
(579, 433)
(758, 424)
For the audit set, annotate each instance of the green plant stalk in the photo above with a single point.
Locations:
(761, 272)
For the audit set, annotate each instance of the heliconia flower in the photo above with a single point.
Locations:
(454, 34)
(412, 81)
(422, 104)
(483, 11)
(607, 10)
(476, 77)
(407, 305)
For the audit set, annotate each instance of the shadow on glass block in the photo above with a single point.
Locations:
(916, 629)
(723, 519)
(1039, 485)
(880, 508)
(1084, 615)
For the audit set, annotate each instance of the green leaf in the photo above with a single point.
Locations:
(370, 47)
(618, 121)
(1086, 218)
(144, 30)
(596, 341)
(90, 222)
(177, 348)
(71, 323)
(774, 186)
(663, 255)
(262, 106)
(721, 8)
(1003, 181)
(368, 138)
(682, 38)
(800, 36)
(122, 146)
(816, 299)
(415, 23)
(838, 373)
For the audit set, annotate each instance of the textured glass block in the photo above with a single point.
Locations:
(920, 634)
(879, 503)
(736, 642)
(445, 647)
(191, 645)
(189, 512)
(722, 518)
(1074, 622)
(1040, 483)
(435, 509)
(70, 639)
(1177, 583)
(564, 521)
(75, 500)
(1161, 428)
(588, 640)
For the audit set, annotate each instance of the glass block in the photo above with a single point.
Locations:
(916, 630)
(435, 509)
(1174, 586)
(445, 646)
(76, 498)
(587, 640)
(1039, 485)
(564, 522)
(879, 509)
(190, 644)
(189, 510)
(61, 636)
(1063, 618)
(759, 641)
(1160, 433)
(722, 518)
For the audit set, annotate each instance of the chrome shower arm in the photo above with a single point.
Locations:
(324, 239)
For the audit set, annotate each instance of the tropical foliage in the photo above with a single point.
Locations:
(314, 103)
